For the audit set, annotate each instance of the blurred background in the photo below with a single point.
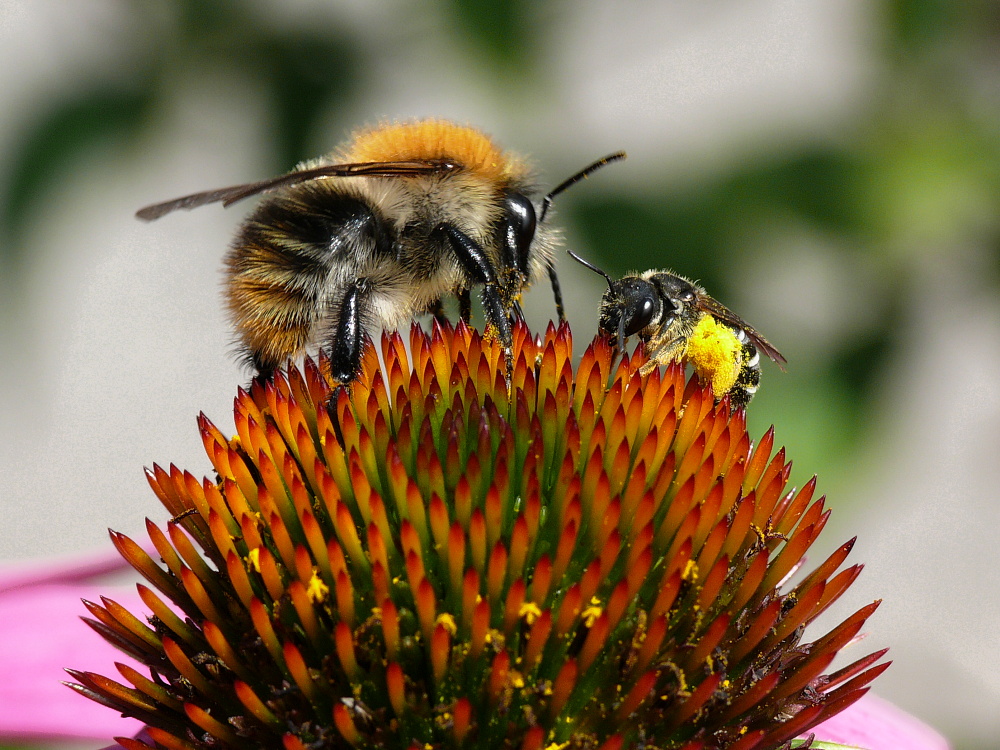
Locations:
(828, 169)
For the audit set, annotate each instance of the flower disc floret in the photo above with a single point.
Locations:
(589, 559)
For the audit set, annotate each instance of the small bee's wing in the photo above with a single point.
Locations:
(723, 313)
(230, 195)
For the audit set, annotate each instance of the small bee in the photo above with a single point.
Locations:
(403, 216)
(676, 320)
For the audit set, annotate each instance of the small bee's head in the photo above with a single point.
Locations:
(680, 296)
(630, 305)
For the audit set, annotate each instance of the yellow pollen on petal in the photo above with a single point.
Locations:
(590, 615)
(530, 612)
(448, 622)
(690, 571)
(253, 557)
(317, 590)
(557, 745)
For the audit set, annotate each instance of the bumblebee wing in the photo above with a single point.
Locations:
(230, 195)
(723, 313)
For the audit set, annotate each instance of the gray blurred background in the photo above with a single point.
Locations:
(829, 169)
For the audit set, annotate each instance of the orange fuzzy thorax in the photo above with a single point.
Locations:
(434, 140)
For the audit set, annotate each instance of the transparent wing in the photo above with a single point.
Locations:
(230, 195)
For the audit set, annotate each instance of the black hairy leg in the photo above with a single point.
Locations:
(479, 270)
(465, 305)
(557, 293)
(436, 308)
(349, 334)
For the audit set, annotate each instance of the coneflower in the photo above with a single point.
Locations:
(588, 559)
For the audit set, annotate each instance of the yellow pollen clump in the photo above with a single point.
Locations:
(714, 352)
(530, 612)
(317, 590)
(690, 571)
(448, 622)
(254, 558)
(590, 615)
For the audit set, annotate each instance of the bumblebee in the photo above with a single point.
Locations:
(678, 321)
(402, 217)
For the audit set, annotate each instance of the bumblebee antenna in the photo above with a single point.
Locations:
(592, 267)
(581, 175)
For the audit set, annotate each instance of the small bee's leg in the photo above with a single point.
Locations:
(465, 305)
(478, 268)
(348, 337)
(557, 293)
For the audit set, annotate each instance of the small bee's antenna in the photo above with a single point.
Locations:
(592, 267)
(581, 175)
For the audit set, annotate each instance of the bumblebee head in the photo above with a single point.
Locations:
(522, 220)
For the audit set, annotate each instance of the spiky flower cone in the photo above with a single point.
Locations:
(442, 566)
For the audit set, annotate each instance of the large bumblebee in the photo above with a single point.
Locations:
(678, 321)
(402, 217)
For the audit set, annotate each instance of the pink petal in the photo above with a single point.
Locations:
(875, 724)
(40, 635)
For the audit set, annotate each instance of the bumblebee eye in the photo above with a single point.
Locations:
(640, 315)
(521, 226)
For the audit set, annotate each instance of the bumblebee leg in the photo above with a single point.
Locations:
(465, 305)
(557, 293)
(348, 337)
(436, 308)
(331, 411)
(478, 268)
(516, 313)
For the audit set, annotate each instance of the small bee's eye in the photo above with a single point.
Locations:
(640, 315)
